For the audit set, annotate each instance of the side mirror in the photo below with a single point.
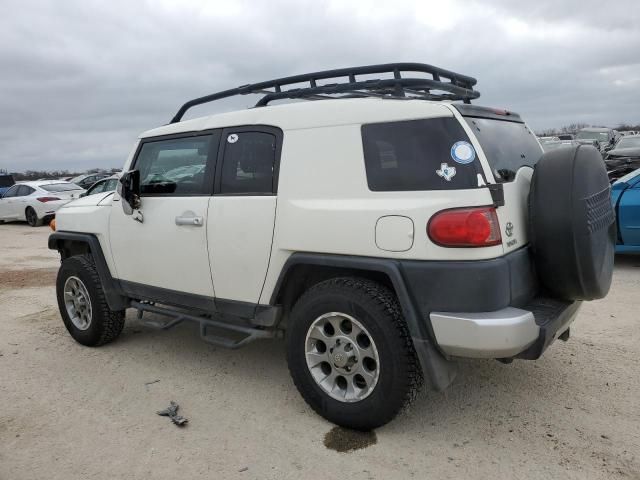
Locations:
(129, 190)
(83, 194)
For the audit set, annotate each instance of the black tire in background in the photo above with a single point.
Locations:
(377, 309)
(572, 223)
(106, 324)
(32, 217)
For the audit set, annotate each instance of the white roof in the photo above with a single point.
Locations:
(314, 113)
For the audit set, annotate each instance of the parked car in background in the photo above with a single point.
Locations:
(108, 184)
(85, 181)
(36, 202)
(565, 136)
(624, 157)
(625, 197)
(551, 145)
(605, 137)
(6, 182)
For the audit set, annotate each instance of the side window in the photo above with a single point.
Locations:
(24, 190)
(97, 187)
(12, 192)
(419, 155)
(110, 185)
(249, 162)
(175, 167)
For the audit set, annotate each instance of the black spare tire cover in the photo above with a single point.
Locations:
(572, 223)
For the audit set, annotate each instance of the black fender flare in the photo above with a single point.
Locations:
(111, 286)
(439, 370)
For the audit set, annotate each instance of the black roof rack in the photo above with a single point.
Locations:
(443, 85)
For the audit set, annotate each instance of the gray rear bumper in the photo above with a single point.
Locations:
(504, 333)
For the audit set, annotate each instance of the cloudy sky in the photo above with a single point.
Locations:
(81, 79)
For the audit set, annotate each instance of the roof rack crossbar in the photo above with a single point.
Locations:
(456, 86)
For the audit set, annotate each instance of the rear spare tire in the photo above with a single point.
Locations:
(572, 223)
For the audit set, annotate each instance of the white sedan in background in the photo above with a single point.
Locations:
(36, 202)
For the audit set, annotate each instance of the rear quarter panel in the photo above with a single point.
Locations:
(325, 205)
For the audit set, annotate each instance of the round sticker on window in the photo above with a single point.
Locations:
(233, 138)
(463, 152)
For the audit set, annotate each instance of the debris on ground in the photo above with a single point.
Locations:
(172, 412)
(146, 384)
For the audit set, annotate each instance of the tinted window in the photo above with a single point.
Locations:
(410, 155)
(248, 163)
(60, 187)
(507, 145)
(175, 167)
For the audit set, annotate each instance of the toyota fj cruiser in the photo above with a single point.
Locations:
(386, 226)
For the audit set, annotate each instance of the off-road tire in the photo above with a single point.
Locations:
(32, 217)
(106, 324)
(377, 309)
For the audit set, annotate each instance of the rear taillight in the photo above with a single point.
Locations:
(465, 227)
(47, 199)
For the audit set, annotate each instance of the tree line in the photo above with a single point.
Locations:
(574, 127)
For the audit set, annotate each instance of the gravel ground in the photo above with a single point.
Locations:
(70, 412)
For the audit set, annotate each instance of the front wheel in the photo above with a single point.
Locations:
(82, 303)
(350, 353)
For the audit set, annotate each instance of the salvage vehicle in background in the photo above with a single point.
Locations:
(606, 137)
(36, 202)
(105, 185)
(625, 197)
(6, 181)
(385, 230)
(553, 144)
(624, 158)
(85, 181)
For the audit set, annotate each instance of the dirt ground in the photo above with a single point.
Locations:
(71, 412)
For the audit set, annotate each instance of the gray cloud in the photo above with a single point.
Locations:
(80, 80)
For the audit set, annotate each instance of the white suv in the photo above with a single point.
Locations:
(383, 228)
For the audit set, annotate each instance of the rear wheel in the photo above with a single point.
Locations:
(32, 217)
(350, 353)
(82, 303)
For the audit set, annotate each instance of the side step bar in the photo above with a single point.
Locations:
(176, 317)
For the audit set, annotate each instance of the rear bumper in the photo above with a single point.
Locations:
(505, 333)
(49, 208)
(486, 308)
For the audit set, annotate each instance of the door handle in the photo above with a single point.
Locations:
(191, 220)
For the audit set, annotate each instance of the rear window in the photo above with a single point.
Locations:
(419, 155)
(60, 187)
(507, 145)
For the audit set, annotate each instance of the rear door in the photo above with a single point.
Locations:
(21, 202)
(242, 214)
(161, 251)
(511, 150)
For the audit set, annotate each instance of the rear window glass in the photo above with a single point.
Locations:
(508, 146)
(419, 155)
(60, 187)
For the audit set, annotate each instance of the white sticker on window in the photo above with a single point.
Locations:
(446, 172)
(463, 152)
(233, 138)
